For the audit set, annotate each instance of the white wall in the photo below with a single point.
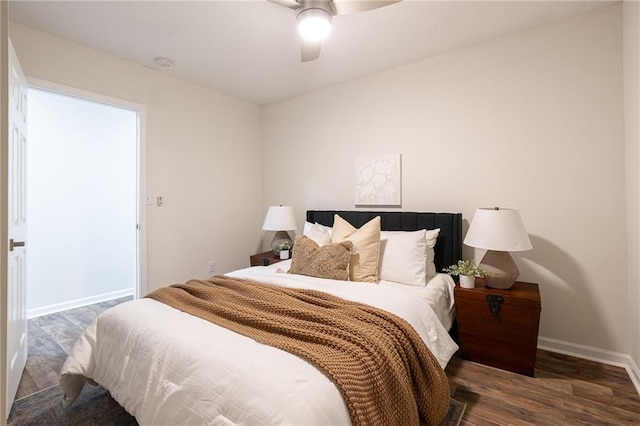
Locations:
(631, 42)
(203, 156)
(81, 199)
(532, 121)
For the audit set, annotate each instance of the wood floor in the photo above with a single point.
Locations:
(51, 337)
(565, 390)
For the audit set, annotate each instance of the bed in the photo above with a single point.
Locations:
(165, 366)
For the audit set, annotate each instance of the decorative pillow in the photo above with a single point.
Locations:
(329, 261)
(366, 240)
(403, 257)
(317, 233)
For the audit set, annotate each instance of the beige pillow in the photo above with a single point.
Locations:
(366, 240)
(328, 261)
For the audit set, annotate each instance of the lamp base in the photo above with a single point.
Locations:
(279, 236)
(501, 271)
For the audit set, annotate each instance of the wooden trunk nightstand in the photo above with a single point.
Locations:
(264, 259)
(499, 327)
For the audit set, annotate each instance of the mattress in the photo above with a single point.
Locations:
(167, 367)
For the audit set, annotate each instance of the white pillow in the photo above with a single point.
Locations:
(308, 225)
(407, 256)
(403, 257)
(431, 236)
(318, 233)
(326, 228)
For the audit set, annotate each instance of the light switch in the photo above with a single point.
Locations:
(149, 200)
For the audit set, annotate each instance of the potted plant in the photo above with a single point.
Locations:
(467, 270)
(283, 248)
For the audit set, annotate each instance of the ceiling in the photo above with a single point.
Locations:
(251, 49)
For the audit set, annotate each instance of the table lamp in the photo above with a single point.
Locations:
(280, 219)
(499, 231)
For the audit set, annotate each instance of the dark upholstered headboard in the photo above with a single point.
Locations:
(448, 248)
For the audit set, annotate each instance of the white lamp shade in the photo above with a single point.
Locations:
(280, 218)
(498, 229)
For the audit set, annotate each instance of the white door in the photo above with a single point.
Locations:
(16, 282)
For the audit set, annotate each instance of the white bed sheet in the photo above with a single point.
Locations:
(438, 292)
(166, 367)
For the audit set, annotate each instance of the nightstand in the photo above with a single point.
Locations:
(499, 327)
(264, 259)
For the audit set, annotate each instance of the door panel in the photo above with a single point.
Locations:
(16, 285)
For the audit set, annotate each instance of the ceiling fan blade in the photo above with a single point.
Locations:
(291, 4)
(344, 7)
(310, 51)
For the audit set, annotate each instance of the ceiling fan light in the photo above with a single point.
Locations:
(314, 24)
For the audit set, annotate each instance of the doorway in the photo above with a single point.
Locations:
(83, 192)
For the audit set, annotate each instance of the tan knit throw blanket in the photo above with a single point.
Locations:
(383, 369)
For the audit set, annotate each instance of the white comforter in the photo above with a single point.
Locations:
(169, 368)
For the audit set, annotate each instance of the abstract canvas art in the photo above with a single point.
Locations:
(378, 181)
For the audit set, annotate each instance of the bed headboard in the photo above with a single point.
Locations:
(448, 249)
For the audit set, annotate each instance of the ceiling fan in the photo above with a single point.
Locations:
(314, 19)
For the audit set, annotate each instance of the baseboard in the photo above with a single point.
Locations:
(71, 304)
(594, 354)
(634, 373)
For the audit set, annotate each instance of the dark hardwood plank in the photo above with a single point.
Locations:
(51, 337)
(564, 391)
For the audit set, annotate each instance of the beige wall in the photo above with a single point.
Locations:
(203, 156)
(532, 121)
(631, 42)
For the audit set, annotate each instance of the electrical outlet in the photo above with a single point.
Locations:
(212, 267)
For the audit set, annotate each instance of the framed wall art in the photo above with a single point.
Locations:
(378, 181)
